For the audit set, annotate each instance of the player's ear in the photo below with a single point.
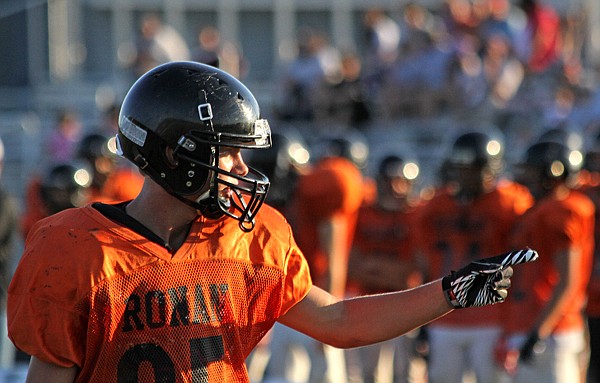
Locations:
(170, 157)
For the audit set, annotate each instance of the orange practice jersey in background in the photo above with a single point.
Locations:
(124, 184)
(92, 293)
(390, 235)
(592, 190)
(452, 235)
(333, 187)
(549, 227)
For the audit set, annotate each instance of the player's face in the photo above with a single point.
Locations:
(230, 160)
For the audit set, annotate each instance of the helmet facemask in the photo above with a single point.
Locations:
(248, 191)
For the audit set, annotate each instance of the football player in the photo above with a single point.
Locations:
(545, 319)
(182, 282)
(472, 216)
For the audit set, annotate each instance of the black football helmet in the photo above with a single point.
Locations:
(195, 109)
(64, 186)
(288, 154)
(545, 165)
(350, 144)
(477, 149)
(395, 177)
(394, 166)
(562, 135)
(100, 151)
(591, 161)
(474, 163)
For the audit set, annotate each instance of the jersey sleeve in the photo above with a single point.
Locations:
(43, 316)
(297, 279)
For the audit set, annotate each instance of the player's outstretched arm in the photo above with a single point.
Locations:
(365, 320)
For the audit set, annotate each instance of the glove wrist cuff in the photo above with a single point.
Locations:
(449, 293)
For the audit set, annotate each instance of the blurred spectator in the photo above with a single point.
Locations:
(468, 89)
(342, 99)
(502, 70)
(418, 23)
(9, 213)
(417, 84)
(300, 78)
(541, 40)
(502, 18)
(462, 18)
(213, 50)
(545, 321)
(157, 43)
(563, 104)
(383, 258)
(382, 36)
(62, 141)
(473, 216)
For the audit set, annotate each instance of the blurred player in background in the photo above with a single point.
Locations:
(61, 186)
(545, 319)
(589, 183)
(112, 181)
(383, 259)
(473, 215)
(324, 210)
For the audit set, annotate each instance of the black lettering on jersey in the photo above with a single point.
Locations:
(151, 310)
(129, 365)
(156, 309)
(218, 296)
(131, 317)
(201, 314)
(181, 311)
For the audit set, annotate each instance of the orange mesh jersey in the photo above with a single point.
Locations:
(550, 227)
(92, 293)
(452, 235)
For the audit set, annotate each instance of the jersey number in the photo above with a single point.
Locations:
(202, 351)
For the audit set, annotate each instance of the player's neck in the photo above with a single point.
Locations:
(163, 214)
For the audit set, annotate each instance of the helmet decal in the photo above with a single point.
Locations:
(130, 130)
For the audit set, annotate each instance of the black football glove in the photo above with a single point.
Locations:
(484, 282)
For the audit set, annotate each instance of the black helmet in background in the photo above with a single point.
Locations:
(474, 163)
(546, 165)
(64, 186)
(101, 153)
(282, 163)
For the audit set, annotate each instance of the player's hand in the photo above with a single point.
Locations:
(484, 282)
